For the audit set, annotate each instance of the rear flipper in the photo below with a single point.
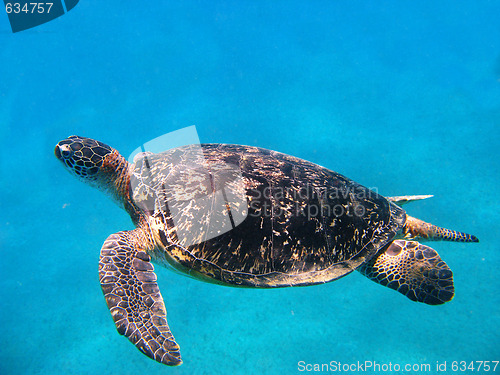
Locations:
(414, 270)
(134, 300)
(404, 199)
(417, 229)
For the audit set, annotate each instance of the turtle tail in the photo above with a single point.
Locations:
(420, 230)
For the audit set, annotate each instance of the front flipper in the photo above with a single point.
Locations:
(414, 270)
(134, 300)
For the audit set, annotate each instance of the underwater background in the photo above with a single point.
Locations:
(400, 96)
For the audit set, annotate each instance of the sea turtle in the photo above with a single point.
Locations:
(245, 216)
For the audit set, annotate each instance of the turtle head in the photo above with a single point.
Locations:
(95, 163)
(83, 156)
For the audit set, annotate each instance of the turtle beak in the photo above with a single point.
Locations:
(57, 152)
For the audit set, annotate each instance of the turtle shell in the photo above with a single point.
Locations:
(248, 216)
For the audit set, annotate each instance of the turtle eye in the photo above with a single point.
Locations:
(66, 154)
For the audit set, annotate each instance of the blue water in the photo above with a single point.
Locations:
(400, 96)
